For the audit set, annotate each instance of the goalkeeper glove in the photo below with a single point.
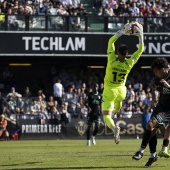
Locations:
(138, 31)
(120, 33)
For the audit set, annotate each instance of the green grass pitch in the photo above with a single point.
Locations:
(74, 155)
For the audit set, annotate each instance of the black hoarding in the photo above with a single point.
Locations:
(77, 44)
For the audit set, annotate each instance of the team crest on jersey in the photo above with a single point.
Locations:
(81, 127)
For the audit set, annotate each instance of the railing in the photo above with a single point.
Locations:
(87, 23)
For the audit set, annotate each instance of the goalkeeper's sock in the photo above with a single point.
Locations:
(109, 121)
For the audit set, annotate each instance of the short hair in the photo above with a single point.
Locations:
(123, 49)
(159, 63)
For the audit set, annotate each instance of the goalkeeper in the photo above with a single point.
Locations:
(117, 70)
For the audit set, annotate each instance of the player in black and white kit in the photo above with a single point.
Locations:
(161, 115)
(93, 103)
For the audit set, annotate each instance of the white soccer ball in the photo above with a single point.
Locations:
(133, 28)
(136, 27)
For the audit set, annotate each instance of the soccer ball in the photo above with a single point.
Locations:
(132, 28)
(136, 27)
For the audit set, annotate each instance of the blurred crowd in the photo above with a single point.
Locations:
(65, 100)
(76, 8)
(67, 7)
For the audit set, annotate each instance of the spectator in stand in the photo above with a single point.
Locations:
(63, 115)
(12, 21)
(77, 112)
(117, 10)
(51, 11)
(66, 3)
(51, 103)
(75, 21)
(3, 127)
(58, 91)
(27, 8)
(108, 11)
(127, 113)
(35, 107)
(148, 100)
(69, 93)
(134, 9)
(55, 114)
(84, 88)
(141, 18)
(125, 10)
(43, 114)
(142, 95)
(56, 3)
(146, 116)
(19, 108)
(144, 10)
(4, 7)
(9, 106)
(41, 101)
(41, 93)
(83, 111)
(81, 9)
(97, 4)
(112, 3)
(27, 93)
(75, 3)
(137, 111)
(139, 3)
(46, 6)
(61, 10)
(158, 23)
(13, 93)
(71, 9)
(72, 103)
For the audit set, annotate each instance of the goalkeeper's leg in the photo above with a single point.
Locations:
(118, 106)
(110, 124)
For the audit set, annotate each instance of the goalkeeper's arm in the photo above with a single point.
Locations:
(113, 39)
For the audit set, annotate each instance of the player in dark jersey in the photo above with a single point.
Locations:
(93, 103)
(161, 114)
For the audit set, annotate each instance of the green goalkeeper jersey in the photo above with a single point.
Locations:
(116, 71)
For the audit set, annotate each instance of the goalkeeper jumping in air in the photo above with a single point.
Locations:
(117, 70)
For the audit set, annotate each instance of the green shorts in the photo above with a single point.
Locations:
(112, 95)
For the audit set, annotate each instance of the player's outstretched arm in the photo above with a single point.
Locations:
(113, 39)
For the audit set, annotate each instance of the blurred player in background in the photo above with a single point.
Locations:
(161, 115)
(3, 126)
(93, 103)
(117, 70)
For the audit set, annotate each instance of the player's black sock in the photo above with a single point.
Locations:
(88, 132)
(165, 142)
(146, 137)
(153, 143)
(95, 131)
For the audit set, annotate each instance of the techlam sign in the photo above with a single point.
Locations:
(77, 44)
(54, 43)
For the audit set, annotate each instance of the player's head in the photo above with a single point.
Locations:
(122, 50)
(95, 87)
(160, 67)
